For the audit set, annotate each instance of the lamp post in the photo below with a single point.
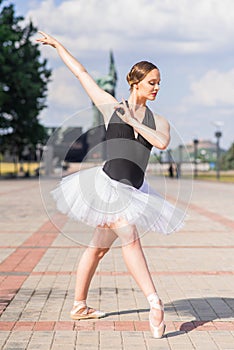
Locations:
(169, 156)
(179, 165)
(195, 144)
(218, 134)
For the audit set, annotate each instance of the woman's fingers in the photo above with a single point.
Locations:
(46, 39)
(123, 116)
(44, 36)
(42, 33)
(126, 114)
(119, 114)
(124, 103)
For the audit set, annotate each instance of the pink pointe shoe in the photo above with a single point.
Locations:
(156, 303)
(81, 311)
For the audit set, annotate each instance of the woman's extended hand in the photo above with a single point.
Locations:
(47, 39)
(127, 116)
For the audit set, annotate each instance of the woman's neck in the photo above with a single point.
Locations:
(135, 100)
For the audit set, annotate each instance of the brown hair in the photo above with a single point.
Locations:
(139, 71)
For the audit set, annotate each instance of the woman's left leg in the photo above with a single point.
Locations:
(136, 263)
(133, 256)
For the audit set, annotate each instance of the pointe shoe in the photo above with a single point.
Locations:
(157, 331)
(82, 312)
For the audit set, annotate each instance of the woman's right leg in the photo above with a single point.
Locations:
(98, 247)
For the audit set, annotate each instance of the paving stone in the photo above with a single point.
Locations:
(192, 270)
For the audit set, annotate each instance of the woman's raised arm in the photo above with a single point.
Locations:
(96, 94)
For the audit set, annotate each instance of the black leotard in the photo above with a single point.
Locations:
(127, 156)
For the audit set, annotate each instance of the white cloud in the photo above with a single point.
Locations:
(183, 26)
(65, 91)
(65, 99)
(214, 89)
(187, 38)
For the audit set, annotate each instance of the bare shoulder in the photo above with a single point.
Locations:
(161, 122)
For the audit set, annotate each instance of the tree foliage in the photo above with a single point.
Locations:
(227, 162)
(23, 83)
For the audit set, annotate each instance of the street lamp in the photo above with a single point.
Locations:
(169, 156)
(179, 165)
(218, 134)
(195, 144)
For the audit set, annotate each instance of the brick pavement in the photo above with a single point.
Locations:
(193, 271)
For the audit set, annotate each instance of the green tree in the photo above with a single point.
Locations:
(227, 161)
(23, 83)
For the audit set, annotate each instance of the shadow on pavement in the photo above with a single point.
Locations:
(203, 311)
(124, 312)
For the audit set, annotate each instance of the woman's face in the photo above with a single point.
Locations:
(149, 86)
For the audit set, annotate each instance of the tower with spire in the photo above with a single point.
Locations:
(107, 83)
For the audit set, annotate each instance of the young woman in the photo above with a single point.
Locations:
(114, 198)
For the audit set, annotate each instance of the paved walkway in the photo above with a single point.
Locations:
(193, 271)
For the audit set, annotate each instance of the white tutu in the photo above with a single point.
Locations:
(91, 196)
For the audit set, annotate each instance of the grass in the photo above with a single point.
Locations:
(224, 177)
(11, 168)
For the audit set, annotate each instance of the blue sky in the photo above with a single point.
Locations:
(190, 41)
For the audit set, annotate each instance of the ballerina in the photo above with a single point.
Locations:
(114, 198)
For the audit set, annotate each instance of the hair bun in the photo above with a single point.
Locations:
(139, 71)
(129, 78)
